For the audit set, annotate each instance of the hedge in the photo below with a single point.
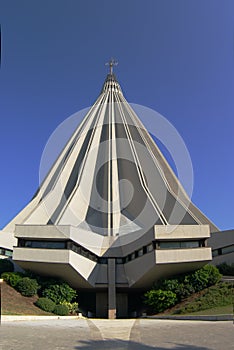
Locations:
(72, 307)
(61, 310)
(160, 300)
(59, 293)
(45, 304)
(27, 286)
(12, 278)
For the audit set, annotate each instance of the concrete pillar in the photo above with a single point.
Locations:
(111, 289)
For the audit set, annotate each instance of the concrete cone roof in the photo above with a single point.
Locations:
(111, 177)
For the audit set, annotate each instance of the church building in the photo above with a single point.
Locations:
(111, 217)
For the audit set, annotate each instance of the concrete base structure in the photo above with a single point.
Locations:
(117, 272)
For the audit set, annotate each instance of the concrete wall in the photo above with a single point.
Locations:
(181, 232)
(7, 240)
(218, 242)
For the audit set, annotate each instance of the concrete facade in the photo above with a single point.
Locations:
(222, 244)
(110, 217)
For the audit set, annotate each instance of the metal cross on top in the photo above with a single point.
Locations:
(111, 63)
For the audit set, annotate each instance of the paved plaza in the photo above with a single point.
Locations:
(140, 334)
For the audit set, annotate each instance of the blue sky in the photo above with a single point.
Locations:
(176, 57)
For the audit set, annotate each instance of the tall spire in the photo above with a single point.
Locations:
(88, 184)
(111, 64)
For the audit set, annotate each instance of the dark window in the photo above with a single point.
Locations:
(190, 244)
(140, 252)
(227, 250)
(169, 245)
(119, 261)
(45, 244)
(85, 253)
(128, 258)
(8, 252)
(179, 244)
(92, 257)
(149, 248)
(102, 260)
(215, 253)
(76, 249)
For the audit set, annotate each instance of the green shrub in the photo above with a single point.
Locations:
(213, 273)
(199, 280)
(160, 300)
(45, 304)
(59, 293)
(226, 269)
(6, 265)
(215, 296)
(178, 285)
(46, 282)
(72, 307)
(185, 290)
(27, 286)
(172, 284)
(207, 276)
(12, 278)
(167, 292)
(61, 310)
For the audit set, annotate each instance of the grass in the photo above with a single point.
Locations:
(220, 310)
(13, 303)
(215, 300)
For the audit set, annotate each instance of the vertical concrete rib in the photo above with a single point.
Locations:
(111, 289)
(116, 208)
(110, 166)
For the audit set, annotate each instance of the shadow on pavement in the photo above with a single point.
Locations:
(116, 344)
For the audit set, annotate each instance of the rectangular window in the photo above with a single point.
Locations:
(8, 253)
(149, 248)
(227, 250)
(169, 245)
(45, 244)
(119, 261)
(179, 244)
(76, 249)
(85, 253)
(140, 252)
(129, 257)
(190, 244)
(215, 253)
(102, 260)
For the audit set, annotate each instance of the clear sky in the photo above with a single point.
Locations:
(176, 57)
